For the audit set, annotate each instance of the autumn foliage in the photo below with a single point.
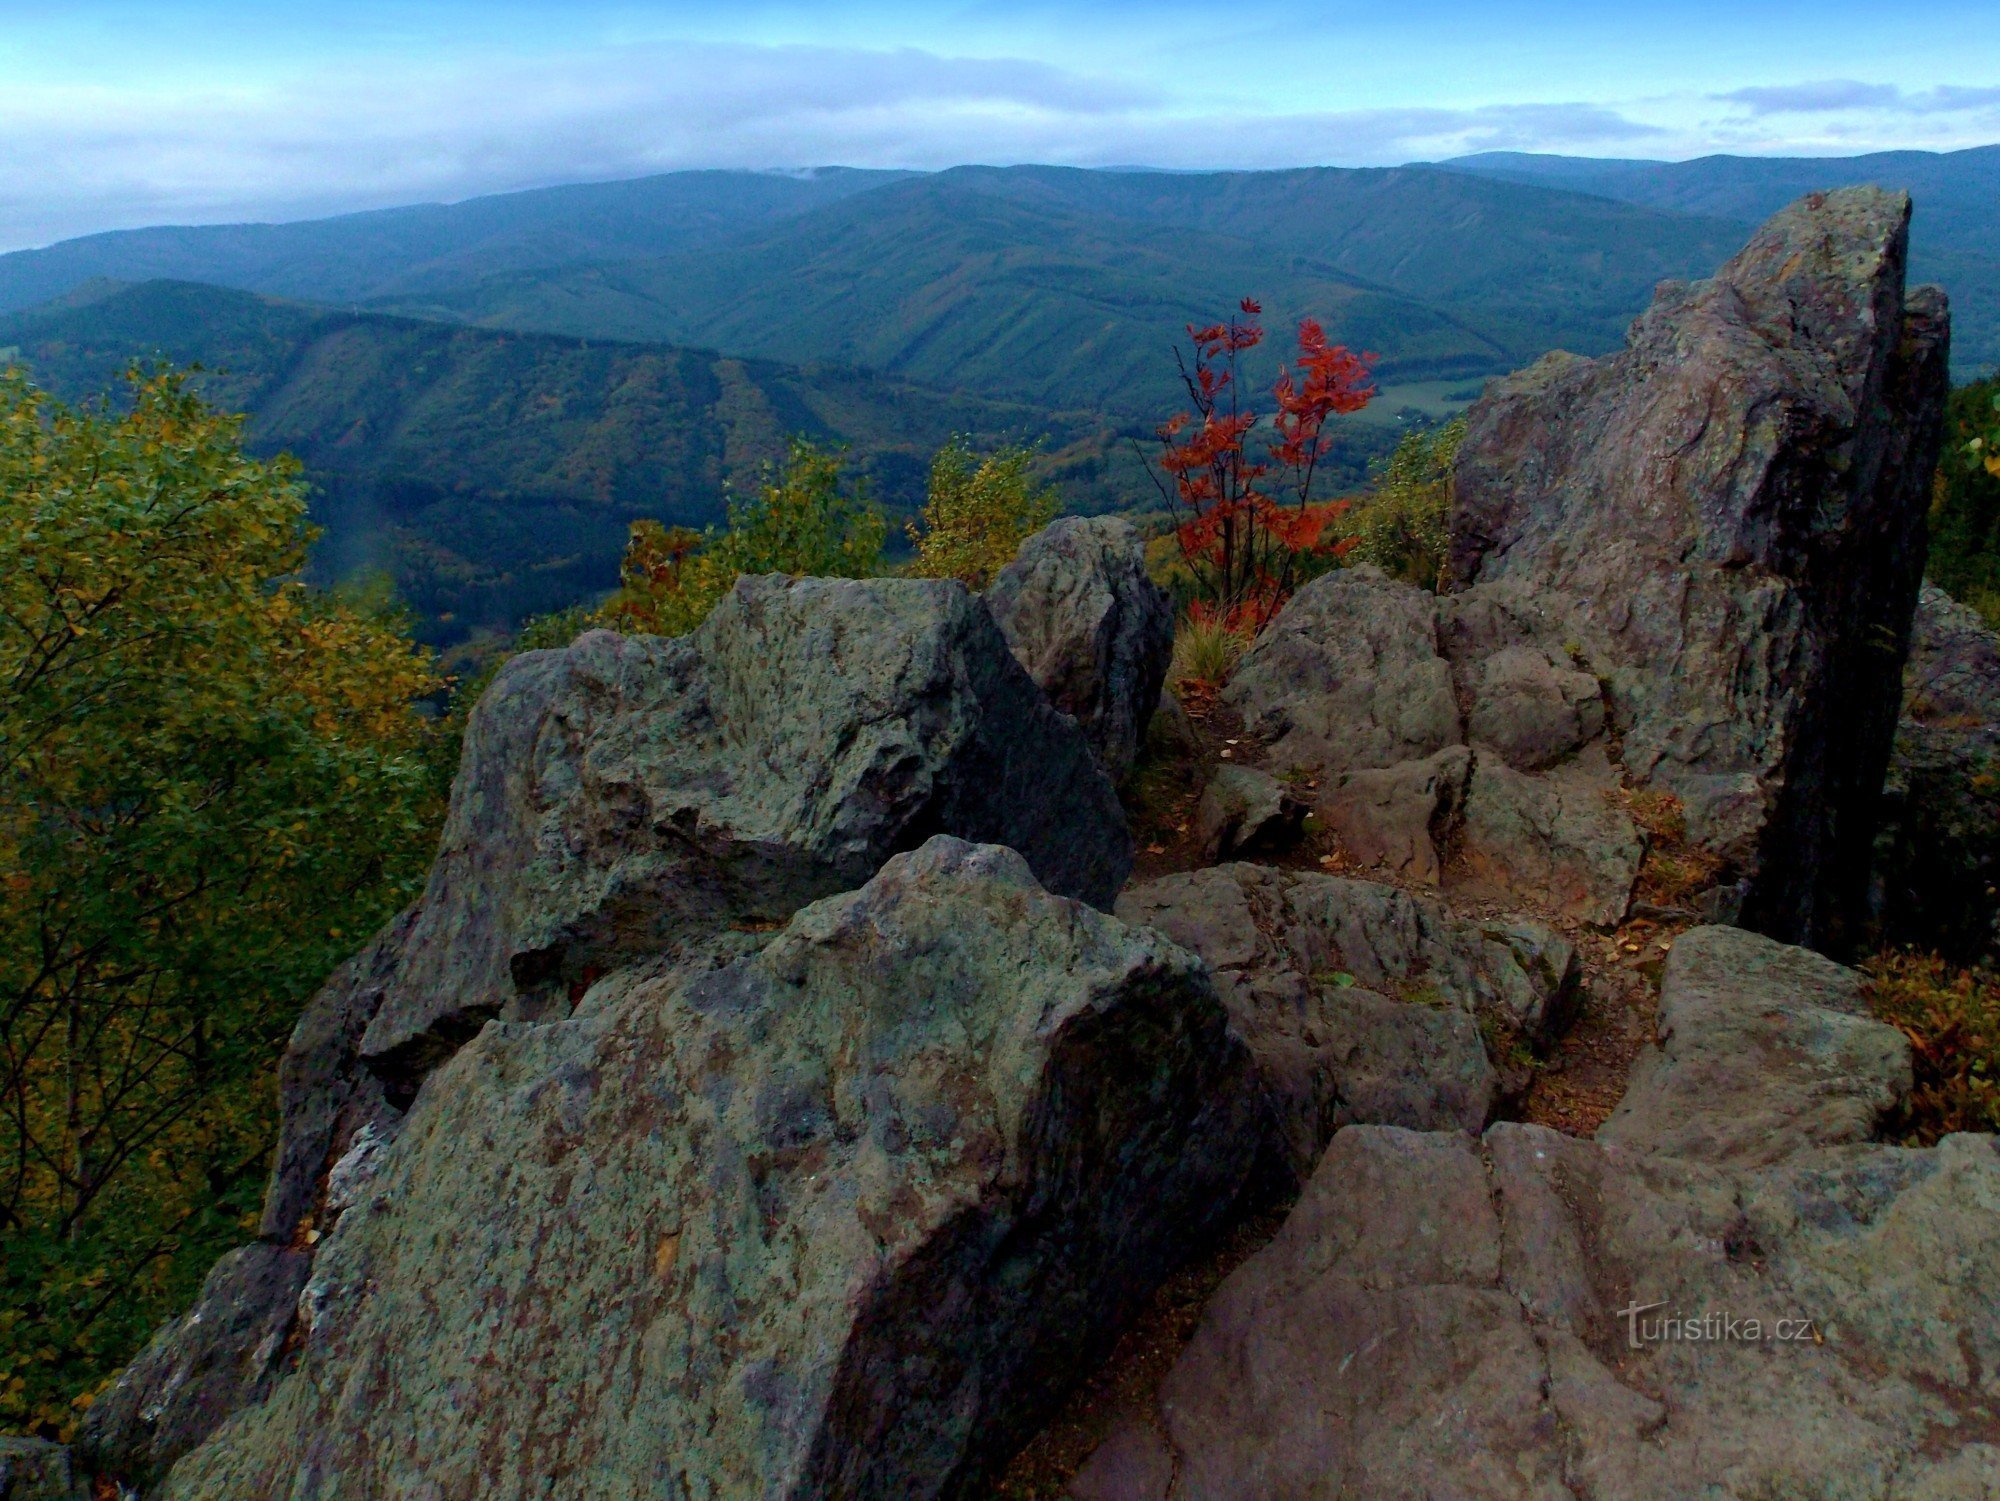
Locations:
(1246, 521)
(214, 783)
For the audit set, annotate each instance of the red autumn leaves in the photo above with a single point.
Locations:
(1248, 525)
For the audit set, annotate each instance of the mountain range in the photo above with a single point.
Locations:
(486, 391)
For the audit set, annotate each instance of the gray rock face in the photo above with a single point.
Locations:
(34, 1470)
(1727, 1293)
(1244, 811)
(1702, 551)
(1938, 859)
(1727, 517)
(1360, 679)
(838, 1218)
(1348, 677)
(1764, 1050)
(631, 795)
(1091, 627)
(1358, 1001)
(632, 799)
(1557, 837)
(1449, 1316)
(220, 1356)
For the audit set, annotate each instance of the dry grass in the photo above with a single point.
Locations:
(1205, 653)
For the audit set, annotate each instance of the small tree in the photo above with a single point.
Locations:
(804, 520)
(1246, 525)
(978, 513)
(1404, 527)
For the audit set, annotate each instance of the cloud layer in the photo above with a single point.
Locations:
(78, 155)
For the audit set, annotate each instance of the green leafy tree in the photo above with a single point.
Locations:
(806, 519)
(1965, 513)
(978, 513)
(214, 782)
(1404, 527)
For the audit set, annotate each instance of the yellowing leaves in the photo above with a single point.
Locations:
(211, 778)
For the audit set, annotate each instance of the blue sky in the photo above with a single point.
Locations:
(115, 114)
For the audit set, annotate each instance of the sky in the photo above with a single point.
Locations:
(115, 114)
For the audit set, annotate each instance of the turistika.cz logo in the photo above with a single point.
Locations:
(1713, 1327)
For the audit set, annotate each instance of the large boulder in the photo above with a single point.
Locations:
(1360, 1002)
(1532, 1316)
(1091, 627)
(842, 1217)
(1938, 860)
(1726, 519)
(1686, 569)
(630, 795)
(1729, 1292)
(1348, 677)
(633, 799)
(220, 1356)
(1764, 1050)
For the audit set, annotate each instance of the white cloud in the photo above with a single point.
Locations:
(357, 134)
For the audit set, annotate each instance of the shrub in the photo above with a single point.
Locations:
(979, 512)
(804, 520)
(1964, 557)
(1247, 527)
(1952, 1018)
(1403, 528)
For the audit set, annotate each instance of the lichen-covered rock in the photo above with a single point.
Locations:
(221, 1355)
(839, 1218)
(32, 1469)
(1360, 680)
(1244, 811)
(1938, 859)
(1348, 677)
(1091, 627)
(1764, 1050)
(1727, 1293)
(1557, 840)
(630, 795)
(1446, 1316)
(1358, 1001)
(1726, 520)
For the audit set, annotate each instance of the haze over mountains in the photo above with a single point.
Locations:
(492, 467)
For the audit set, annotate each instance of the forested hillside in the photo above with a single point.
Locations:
(494, 475)
(1954, 241)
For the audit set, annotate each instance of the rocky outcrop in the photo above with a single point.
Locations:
(1686, 567)
(32, 1469)
(1360, 1002)
(218, 1357)
(643, 799)
(1938, 858)
(1528, 1315)
(1727, 518)
(632, 794)
(1450, 745)
(1729, 1292)
(1764, 1050)
(837, 1218)
(1091, 627)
